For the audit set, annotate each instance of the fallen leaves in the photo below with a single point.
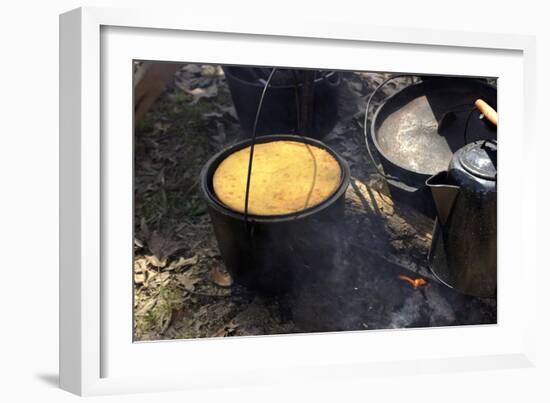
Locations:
(139, 278)
(174, 248)
(230, 110)
(227, 330)
(199, 93)
(140, 271)
(149, 269)
(187, 280)
(162, 247)
(155, 261)
(182, 262)
(146, 307)
(418, 282)
(220, 278)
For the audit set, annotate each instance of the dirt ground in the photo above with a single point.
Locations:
(181, 288)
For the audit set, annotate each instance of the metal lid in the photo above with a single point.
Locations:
(480, 159)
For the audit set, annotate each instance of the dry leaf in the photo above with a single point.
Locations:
(163, 247)
(198, 93)
(192, 68)
(230, 110)
(227, 329)
(208, 70)
(187, 280)
(140, 265)
(213, 114)
(151, 275)
(220, 278)
(155, 261)
(166, 321)
(182, 262)
(139, 278)
(148, 305)
(163, 278)
(143, 227)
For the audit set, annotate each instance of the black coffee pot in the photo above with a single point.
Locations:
(463, 253)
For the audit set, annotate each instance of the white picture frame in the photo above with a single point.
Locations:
(96, 347)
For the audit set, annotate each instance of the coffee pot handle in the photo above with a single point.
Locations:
(487, 111)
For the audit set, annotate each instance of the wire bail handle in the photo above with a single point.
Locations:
(366, 130)
(247, 219)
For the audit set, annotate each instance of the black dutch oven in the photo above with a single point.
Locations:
(279, 106)
(276, 255)
(416, 131)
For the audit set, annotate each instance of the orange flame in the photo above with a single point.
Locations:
(414, 283)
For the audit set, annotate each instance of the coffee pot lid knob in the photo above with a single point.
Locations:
(480, 159)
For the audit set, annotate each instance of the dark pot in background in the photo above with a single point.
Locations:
(429, 101)
(277, 255)
(279, 113)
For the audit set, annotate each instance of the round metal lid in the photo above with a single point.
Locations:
(480, 159)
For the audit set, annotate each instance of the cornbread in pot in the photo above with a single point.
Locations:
(287, 177)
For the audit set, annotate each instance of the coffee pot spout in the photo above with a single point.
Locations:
(444, 194)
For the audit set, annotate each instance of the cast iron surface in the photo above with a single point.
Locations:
(463, 254)
(276, 254)
(407, 130)
(417, 130)
(280, 109)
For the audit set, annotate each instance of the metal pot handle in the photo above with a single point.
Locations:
(252, 143)
(329, 79)
(467, 123)
(366, 129)
(253, 137)
(483, 110)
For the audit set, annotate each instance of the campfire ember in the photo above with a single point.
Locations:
(418, 282)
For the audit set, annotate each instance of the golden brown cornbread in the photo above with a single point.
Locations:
(287, 176)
